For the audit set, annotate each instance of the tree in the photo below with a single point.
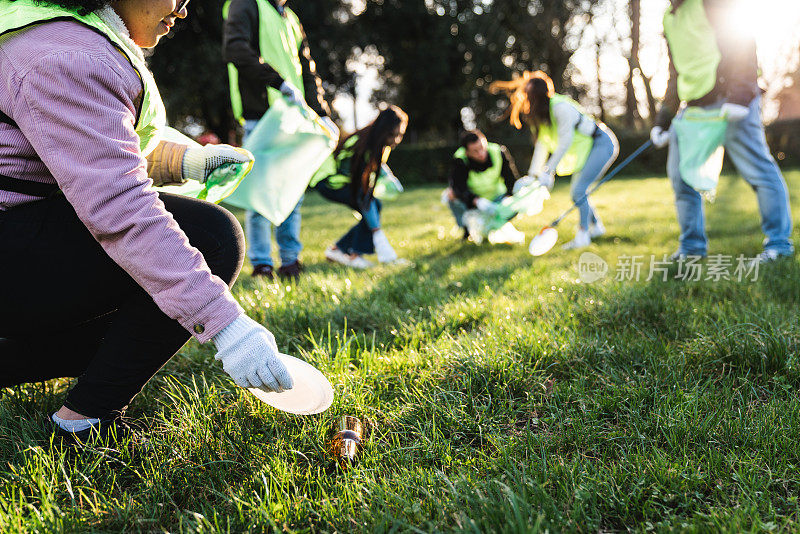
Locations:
(192, 75)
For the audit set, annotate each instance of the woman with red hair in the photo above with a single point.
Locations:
(568, 142)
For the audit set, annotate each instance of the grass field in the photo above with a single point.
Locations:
(502, 394)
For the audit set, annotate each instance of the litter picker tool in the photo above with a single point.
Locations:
(547, 238)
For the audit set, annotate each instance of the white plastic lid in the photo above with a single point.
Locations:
(312, 392)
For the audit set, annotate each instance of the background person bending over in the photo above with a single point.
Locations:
(139, 272)
(575, 143)
(481, 173)
(268, 53)
(348, 177)
(714, 66)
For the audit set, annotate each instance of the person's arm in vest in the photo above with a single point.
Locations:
(240, 45)
(538, 160)
(95, 159)
(567, 119)
(737, 73)
(509, 171)
(459, 174)
(315, 94)
(671, 102)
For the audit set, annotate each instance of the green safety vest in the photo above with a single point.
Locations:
(152, 117)
(694, 49)
(487, 184)
(575, 158)
(336, 169)
(280, 38)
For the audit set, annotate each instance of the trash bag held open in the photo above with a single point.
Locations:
(701, 138)
(289, 144)
(219, 185)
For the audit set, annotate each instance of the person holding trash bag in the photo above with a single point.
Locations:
(576, 144)
(481, 174)
(714, 70)
(349, 177)
(137, 272)
(268, 57)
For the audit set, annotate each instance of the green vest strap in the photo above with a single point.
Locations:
(336, 169)
(575, 158)
(488, 184)
(694, 49)
(152, 119)
(280, 38)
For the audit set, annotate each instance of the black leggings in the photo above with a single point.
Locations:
(67, 310)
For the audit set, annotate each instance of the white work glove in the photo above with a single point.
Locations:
(199, 162)
(249, 354)
(523, 182)
(292, 94)
(734, 112)
(547, 179)
(485, 205)
(383, 249)
(659, 137)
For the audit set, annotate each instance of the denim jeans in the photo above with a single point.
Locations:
(259, 230)
(747, 147)
(604, 152)
(357, 240)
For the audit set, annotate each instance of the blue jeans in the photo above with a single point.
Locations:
(604, 152)
(258, 230)
(747, 147)
(357, 240)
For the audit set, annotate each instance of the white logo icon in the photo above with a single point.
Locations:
(591, 268)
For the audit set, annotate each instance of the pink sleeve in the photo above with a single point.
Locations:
(77, 111)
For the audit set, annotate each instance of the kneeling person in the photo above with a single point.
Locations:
(482, 173)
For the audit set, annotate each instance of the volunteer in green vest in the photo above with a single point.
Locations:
(713, 66)
(568, 142)
(481, 174)
(105, 279)
(268, 57)
(348, 177)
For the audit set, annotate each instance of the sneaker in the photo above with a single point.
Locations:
(465, 235)
(769, 256)
(291, 270)
(337, 256)
(582, 240)
(263, 270)
(597, 230)
(106, 433)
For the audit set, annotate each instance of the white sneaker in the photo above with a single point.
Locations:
(596, 230)
(768, 256)
(337, 256)
(383, 249)
(582, 240)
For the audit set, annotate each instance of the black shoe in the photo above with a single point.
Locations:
(263, 270)
(108, 433)
(292, 270)
(465, 237)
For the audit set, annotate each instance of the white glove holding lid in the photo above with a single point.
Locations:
(200, 162)
(249, 354)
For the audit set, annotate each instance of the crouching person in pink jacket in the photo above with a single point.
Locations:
(103, 278)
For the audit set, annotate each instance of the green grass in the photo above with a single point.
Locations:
(502, 394)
